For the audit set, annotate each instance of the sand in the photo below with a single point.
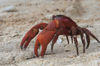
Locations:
(27, 13)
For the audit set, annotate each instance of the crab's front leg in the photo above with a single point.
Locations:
(31, 34)
(61, 31)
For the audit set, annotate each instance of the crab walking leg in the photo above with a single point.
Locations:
(72, 39)
(88, 34)
(67, 39)
(59, 32)
(74, 35)
(53, 42)
(92, 35)
(76, 44)
(83, 40)
(55, 39)
(87, 38)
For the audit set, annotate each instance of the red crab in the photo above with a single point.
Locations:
(74, 31)
(60, 25)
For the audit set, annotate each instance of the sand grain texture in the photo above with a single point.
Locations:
(14, 25)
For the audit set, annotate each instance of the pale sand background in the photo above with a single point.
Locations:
(14, 25)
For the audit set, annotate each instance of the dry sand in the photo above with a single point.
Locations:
(14, 25)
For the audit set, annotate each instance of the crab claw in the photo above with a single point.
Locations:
(31, 34)
(28, 37)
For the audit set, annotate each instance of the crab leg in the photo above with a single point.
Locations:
(55, 38)
(67, 39)
(88, 34)
(76, 44)
(92, 35)
(72, 39)
(53, 42)
(75, 38)
(83, 40)
(59, 32)
(87, 37)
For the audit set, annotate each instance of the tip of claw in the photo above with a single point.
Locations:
(21, 47)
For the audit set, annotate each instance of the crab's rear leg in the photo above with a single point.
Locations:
(92, 35)
(81, 33)
(88, 34)
(74, 33)
(87, 37)
(76, 44)
(67, 39)
(72, 39)
(83, 41)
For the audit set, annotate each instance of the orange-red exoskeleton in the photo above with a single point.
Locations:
(60, 25)
(73, 30)
(31, 34)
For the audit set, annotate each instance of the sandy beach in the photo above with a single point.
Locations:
(18, 16)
